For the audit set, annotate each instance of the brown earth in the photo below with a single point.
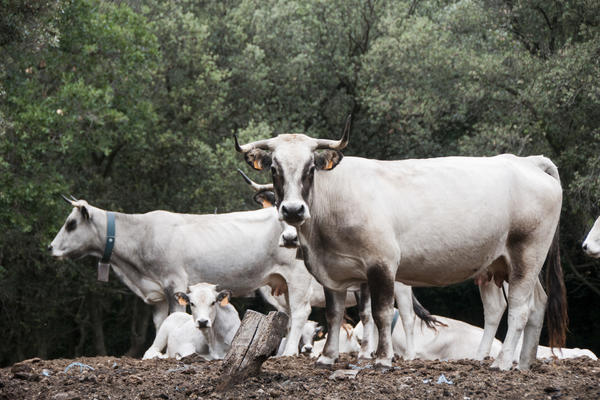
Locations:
(295, 378)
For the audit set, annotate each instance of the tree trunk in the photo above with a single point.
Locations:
(139, 328)
(256, 340)
(97, 326)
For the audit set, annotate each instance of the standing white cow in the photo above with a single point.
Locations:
(408, 305)
(591, 244)
(207, 332)
(422, 222)
(160, 253)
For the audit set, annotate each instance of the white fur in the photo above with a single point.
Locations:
(180, 333)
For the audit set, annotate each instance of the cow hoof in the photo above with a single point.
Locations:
(383, 363)
(325, 362)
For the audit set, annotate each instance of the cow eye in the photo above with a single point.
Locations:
(213, 303)
(71, 225)
(192, 304)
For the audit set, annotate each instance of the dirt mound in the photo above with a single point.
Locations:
(295, 378)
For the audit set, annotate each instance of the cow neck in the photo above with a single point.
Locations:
(126, 253)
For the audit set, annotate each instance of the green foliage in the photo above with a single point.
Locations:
(133, 106)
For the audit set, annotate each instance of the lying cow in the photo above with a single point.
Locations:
(349, 341)
(160, 253)
(207, 332)
(456, 340)
(591, 244)
(431, 222)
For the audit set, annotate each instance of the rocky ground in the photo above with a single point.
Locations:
(295, 378)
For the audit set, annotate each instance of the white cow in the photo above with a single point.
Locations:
(458, 340)
(349, 341)
(207, 332)
(430, 222)
(591, 244)
(160, 253)
(409, 306)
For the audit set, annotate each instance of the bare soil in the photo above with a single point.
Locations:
(296, 378)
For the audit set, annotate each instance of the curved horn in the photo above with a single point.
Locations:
(264, 144)
(67, 199)
(73, 198)
(257, 187)
(336, 144)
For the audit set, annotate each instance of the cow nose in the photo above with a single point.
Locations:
(49, 247)
(202, 323)
(306, 349)
(292, 212)
(584, 246)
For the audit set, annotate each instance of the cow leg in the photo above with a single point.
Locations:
(368, 343)
(533, 328)
(381, 280)
(403, 296)
(494, 306)
(160, 312)
(525, 264)
(335, 303)
(299, 309)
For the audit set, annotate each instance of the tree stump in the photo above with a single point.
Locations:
(256, 340)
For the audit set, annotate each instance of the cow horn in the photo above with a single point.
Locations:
(73, 197)
(257, 187)
(336, 144)
(264, 144)
(67, 199)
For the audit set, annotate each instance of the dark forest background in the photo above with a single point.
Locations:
(132, 104)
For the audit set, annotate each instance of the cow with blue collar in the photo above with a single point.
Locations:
(160, 253)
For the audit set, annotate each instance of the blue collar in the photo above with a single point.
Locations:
(395, 320)
(110, 237)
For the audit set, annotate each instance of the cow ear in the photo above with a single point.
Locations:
(223, 297)
(328, 159)
(84, 212)
(182, 298)
(258, 159)
(265, 198)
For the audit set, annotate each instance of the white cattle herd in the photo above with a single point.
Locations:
(351, 231)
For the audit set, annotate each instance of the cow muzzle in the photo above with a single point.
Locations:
(203, 323)
(289, 238)
(294, 213)
(591, 249)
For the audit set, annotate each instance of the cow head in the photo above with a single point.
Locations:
(266, 198)
(80, 234)
(310, 333)
(591, 244)
(204, 298)
(292, 160)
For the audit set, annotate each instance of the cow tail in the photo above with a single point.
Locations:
(556, 313)
(424, 315)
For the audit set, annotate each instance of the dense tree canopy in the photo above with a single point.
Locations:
(132, 106)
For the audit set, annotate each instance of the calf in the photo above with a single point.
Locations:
(349, 341)
(208, 331)
(591, 244)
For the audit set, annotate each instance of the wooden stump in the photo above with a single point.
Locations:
(257, 339)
